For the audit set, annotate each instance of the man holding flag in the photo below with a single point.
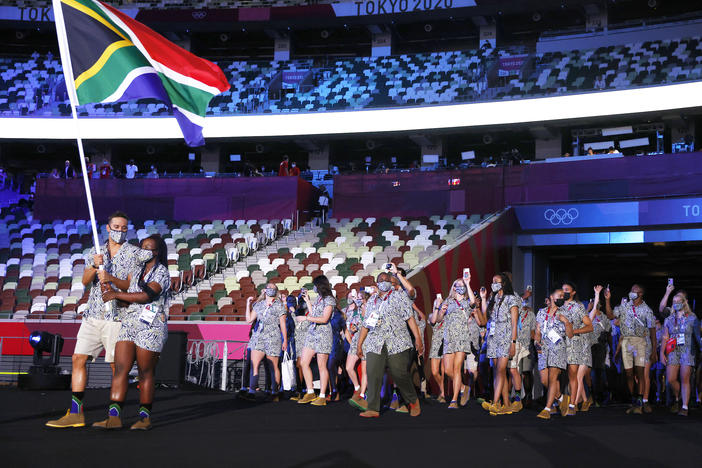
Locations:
(100, 324)
(107, 56)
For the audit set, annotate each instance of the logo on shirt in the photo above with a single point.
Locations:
(561, 216)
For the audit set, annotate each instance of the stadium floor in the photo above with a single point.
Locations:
(194, 427)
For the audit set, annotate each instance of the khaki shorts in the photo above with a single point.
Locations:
(634, 352)
(470, 363)
(520, 352)
(95, 335)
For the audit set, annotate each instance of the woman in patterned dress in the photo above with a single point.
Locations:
(319, 339)
(456, 311)
(599, 339)
(683, 326)
(437, 340)
(270, 338)
(552, 330)
(143, 334)
(503, 310)
(354, 321)
(301, 327)
(577, 347)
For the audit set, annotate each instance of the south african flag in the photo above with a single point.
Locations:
(115, 58)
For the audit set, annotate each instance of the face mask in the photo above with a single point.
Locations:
(270, 292)
(315, 290)
(633, 296)
(559, 302)
(460, 290)
(496, 287)
(566, 296)
(118, 237)
(677, 306)
(384, 286)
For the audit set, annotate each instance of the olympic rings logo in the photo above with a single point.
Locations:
(198, 15)
(561, 216)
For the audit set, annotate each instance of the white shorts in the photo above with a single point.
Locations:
(95, 335)
(470, 363)
(520, 352)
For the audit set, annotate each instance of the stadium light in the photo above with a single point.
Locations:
(47, 342)
(45, 374)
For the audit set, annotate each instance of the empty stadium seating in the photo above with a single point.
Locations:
(32, 86)
(215, 265)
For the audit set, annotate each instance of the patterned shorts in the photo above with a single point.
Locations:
(436, 339)
(268, 343)
(150, 337)
(319, 339)
(552, 357)
(578, 351)
(498, 346)
(681, 358)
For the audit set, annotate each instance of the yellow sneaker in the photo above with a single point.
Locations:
(465, 396)
(585, 407)
(544, 414)
(68, 420)
(563, 405)
(516, 406)
(453, 405)
(319, 401)
(501, 410)
(488, 406)
(308, 398)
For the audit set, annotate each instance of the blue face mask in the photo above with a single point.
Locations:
(677, 306)
(460, 290)
(270, 292)
(384, 286)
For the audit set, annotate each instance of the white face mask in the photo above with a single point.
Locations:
(496, 287)
(633, 296)
(118, 237)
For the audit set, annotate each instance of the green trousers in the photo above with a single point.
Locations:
(398, 365)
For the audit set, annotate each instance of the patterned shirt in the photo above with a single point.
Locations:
(684, 325)
(128, 261)
(527, 323)
(159, 274)
(393, 311)
(600, 324)
(268, 316)
(546, 322)
(634, 320)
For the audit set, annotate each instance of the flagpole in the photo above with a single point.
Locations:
(73, 98)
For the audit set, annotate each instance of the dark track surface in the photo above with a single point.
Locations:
(196, 428)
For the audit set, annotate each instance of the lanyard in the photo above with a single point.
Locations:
(633, 308)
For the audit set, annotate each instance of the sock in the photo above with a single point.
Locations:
(356, 388)
(77, 402)
(322, 395)
(115, 408)
(363, 395)
(310, 391)
(645, 400)
(560, 398)
(145, 410)
(571, 406)
(684, 407)
(546, 408)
